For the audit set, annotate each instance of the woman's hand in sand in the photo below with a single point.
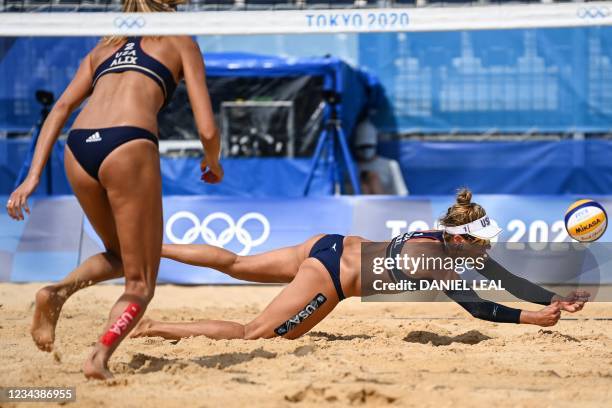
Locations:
(549, 316)
(18, 201)
(573, 302)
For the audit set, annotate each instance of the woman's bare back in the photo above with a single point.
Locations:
(129, 98)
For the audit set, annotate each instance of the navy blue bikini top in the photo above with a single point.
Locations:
(131, 57)
(397, 244)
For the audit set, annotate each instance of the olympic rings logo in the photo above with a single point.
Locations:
(593, 12)
(233, 230)
(129, 23)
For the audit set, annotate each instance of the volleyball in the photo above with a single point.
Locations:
(586, 220)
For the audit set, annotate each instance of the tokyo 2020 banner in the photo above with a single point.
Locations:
(308, 21)
(57, 236)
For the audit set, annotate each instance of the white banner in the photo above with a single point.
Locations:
(489, 17)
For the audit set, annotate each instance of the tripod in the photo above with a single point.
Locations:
(334, 139)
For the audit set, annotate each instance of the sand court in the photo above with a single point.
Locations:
(363, 354)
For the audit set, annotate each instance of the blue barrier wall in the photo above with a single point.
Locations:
(564, 167)
(181, 176)
(57, 236)
(429, 168)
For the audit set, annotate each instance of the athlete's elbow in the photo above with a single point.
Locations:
(477, 312)
(255, 331)
(209, 135)
(480, 316)
(62, 109)
(251, 332)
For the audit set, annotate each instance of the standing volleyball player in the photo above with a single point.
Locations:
(112, 163)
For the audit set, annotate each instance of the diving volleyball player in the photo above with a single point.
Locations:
(324, 270)
(112, 163)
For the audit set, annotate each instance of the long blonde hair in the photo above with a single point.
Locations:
(142, 6)
(463, 212)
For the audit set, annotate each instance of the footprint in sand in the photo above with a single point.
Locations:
(363, 396)
(549, 336)
(302, 351)
(425, 337)
(370, 396)
(312, 394)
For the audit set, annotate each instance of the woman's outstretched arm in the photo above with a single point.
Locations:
(495, 312)
(78, 89)
(531, 292)
(199, 98)
(519, 287)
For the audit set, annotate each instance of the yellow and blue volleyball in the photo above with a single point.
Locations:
(586, 220)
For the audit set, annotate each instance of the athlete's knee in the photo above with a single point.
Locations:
(113, 257)
(140, 289)
(236, 267)
(112, 248)
(254, 331)
(235, 260)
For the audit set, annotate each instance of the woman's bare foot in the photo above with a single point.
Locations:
(95, 366)
(142, 329)
(48, 307)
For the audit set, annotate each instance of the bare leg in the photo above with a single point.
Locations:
(278, 266)
(51, 299)
(98, 268)
(214, 329)
(312, 279)
(131, 176)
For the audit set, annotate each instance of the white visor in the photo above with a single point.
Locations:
(482, 228)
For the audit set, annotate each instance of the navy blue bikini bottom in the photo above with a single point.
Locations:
(91, 146)
(328, 250)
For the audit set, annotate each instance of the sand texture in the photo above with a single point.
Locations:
(364, 354)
